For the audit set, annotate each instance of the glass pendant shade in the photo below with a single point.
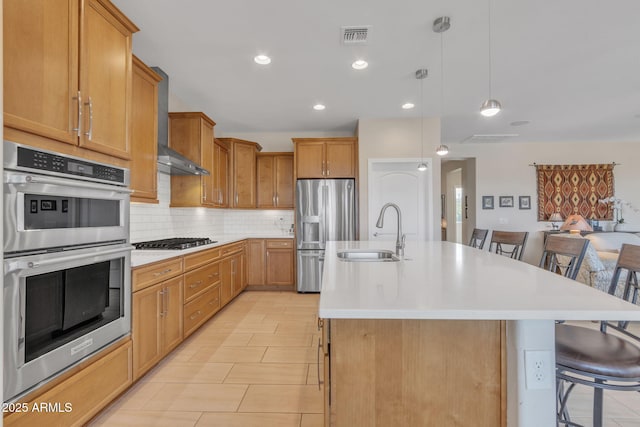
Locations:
(422, 167)
(490, 108)
(442, 150)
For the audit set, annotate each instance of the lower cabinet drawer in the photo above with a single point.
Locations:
(199, 280)
(76, 400)
(197, 311)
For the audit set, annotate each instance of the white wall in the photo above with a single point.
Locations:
(396, 138)
(503, 169)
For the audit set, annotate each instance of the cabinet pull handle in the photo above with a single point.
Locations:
(195, 285)
(166, 303)
(89, 134)
(328, 168)
(277, 200)
(204, 190)
(236, 199)
(273, 200)
(79, 101)
(161, 273)
(197, 314)
(318, 363)
(162, 303)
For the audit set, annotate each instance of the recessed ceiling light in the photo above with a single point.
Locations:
(319, 107)
(262, 60)
(407, 106)
(520, 123)
(360, 64)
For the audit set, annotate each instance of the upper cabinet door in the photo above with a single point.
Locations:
(41, 67)
(105, 80)
(144, 134)
(340, 159)
(310, 159)
(244, 169)
(284, 181)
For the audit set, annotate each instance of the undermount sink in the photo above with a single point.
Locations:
(368, 255)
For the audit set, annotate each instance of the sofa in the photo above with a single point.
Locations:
(601, 257)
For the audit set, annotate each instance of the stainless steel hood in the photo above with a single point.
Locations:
(170, 161)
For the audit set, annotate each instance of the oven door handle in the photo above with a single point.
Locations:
(33, 179)
(24, 265)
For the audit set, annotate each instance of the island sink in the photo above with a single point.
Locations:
(368, 255)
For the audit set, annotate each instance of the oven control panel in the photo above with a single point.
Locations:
(45, 161)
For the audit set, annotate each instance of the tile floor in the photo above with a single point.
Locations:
(255, 364)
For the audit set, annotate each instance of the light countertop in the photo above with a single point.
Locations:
(441, 280)
(142, 257)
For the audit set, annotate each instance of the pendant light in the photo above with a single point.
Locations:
(421, 74)
(490, 107)
(440, 25)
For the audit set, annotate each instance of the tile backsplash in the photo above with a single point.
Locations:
(158, 221)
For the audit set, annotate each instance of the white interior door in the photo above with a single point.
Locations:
(399, 181)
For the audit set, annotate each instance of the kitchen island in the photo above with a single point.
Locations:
(441, 337)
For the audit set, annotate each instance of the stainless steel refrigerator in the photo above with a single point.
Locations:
(325, 210)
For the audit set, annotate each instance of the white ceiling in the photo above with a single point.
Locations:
(570, 67)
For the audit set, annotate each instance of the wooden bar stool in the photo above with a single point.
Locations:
(563, 255)
(508, 243)
(597, 358)
(478, 237)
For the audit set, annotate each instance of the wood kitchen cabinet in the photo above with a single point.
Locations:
(242, 192)
(144, 134)
(326, 157)
(68, 76)
(220, 174)
(274, 180)
(191, 134)
(201, 288)
(270, 262)
(232, 271)
(157, 313)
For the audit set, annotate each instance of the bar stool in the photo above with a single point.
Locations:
(563, 255)
(508, 243)
(597, 358)
(478, 237)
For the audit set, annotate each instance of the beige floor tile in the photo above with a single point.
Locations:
(238, 354)
(204, 354)
(148, 419)
(136, 397)
(267, 373)
(314, 373)
(289, 327)
(283, 398)
(278, 340)
(189, 372)
(312, 420)
(237, 340)
(197, 397)
(210, 419)
(290, 355)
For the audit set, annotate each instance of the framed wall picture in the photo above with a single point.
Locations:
(524, 202)
(487, 202)
(506, 201)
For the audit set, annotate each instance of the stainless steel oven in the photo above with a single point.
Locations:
(67, 263)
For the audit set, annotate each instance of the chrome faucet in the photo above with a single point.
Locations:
(400, 238)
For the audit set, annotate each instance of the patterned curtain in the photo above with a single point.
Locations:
(574, 189)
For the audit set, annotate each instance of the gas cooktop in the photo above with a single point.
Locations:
(175, 243)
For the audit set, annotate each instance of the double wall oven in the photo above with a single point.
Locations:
(67, 261)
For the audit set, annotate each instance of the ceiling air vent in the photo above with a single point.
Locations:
(355, 34)
(496, 137)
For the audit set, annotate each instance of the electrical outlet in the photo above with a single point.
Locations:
(539, 371)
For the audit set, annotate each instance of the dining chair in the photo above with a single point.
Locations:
(596, 357)
(478, 237)
(563, 255)
(508, 243)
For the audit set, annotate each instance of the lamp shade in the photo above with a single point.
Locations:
(576, 223)
(556, 217)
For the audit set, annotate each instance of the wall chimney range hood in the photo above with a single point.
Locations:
(170, 161)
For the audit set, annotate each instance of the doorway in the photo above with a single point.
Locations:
(458, 192)
(399, 181)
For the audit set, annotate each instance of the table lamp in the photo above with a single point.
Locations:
(575, 224)
(555, 218)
